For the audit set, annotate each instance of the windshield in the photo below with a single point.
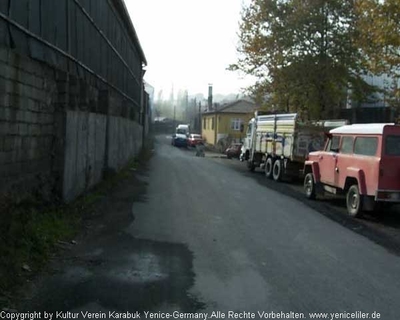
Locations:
(181, 131)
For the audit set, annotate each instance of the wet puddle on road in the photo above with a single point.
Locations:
(134, 274)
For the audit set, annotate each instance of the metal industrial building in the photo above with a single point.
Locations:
(72, 99)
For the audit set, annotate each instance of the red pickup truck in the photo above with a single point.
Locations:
(361, 161)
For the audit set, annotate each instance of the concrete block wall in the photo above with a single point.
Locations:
(58, 133)
(85, 147)
(124, 140)
(27, 92)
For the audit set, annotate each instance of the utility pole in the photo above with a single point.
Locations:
(174, 115)
(186, 106)
(215, 125)
(200, 127)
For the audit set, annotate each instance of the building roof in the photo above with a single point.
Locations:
(365, 128)
(121, 7)
(237, 106)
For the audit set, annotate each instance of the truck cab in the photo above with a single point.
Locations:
(247, 142)
(360, 161)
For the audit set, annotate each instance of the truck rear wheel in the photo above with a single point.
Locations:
(277, 170)
(268, 168)
(354, 202)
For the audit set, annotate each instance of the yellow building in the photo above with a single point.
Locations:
(227, 123)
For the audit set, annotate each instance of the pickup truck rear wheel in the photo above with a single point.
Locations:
(268, 168)
(309, 186)
(277, 170)
(354, 202)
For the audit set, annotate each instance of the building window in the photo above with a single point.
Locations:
(235, 124)
(212, 123)
(204, 123)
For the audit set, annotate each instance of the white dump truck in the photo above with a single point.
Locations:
(280, 143)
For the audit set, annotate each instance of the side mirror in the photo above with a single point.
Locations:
(174, 135)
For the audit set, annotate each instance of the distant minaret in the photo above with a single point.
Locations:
(210, 96)
(171, 96)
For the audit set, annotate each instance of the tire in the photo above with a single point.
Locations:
(309, 186)
(277, 170)
(269, 164)
(354, 202)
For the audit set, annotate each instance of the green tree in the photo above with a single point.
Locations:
(379, 25)
(303, 53)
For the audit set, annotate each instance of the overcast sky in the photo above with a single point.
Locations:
(189, 43)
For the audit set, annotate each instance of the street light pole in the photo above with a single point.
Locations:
(174, 116)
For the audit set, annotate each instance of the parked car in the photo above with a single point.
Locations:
(361, 161)
(234, 150)
(194, 139)
(179, 140)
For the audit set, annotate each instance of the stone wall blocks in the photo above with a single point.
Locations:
(62, 76)
(36, 119)
(34, 129)
(3, 128)
(11, 143)
(5, 157)
(10, 169)
(23, 129)
(26, 142)
(4, 113)
(4, 55)
(4, 99)
(17, 142)
(46, 107)
(47, 129)
(24, 63)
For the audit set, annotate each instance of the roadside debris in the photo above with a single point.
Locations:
(26, 267)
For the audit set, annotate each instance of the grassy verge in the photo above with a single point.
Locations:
(31, 230)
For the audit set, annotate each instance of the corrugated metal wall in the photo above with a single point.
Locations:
(88, 35)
